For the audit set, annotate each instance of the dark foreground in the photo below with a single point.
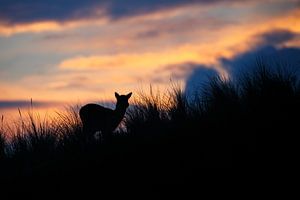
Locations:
(233, 137)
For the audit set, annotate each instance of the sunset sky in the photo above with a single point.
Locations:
(68, 51)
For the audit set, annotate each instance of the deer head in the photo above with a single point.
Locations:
(122, 101)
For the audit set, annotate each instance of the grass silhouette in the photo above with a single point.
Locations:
(244, 123)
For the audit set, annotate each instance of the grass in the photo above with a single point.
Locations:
(166, 138)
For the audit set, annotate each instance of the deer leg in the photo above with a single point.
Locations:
(88, 131)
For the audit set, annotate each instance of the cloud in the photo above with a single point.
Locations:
(243, 63)
(180, 71)
(73, 82)
(56, 36)
(276, 37)
(119, 9)
(38, 27)
(178, 63)
(18, 11)
(138, 61)
(193, 35)
(270, 49)
(71, 85)
(185, 25)
(38, 16)
(33, 27)
(272, 56)
(174, 72)
(198, 77)
(7, 104)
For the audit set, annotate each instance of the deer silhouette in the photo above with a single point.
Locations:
(98, 118)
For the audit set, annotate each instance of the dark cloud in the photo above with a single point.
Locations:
(269, 55)
(268, 51)
(199, 76)
(20, 11)
(288, 58)
(5, 104)
(276, 37)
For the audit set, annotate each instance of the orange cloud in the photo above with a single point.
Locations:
(8, 30)
(45, 26)
(130, 61)
(226, 42)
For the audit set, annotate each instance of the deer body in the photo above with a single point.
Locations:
(98, 118)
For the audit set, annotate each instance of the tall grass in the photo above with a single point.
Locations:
(231, 120)
(147, 113)
(233, 123)
(2, 139)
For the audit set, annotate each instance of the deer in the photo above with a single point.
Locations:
(96, 118)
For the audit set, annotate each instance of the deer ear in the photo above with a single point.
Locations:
(117, 95)
(129, 95)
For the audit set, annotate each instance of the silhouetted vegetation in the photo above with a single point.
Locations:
(166, 139)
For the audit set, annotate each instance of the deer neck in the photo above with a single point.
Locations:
(119, 112)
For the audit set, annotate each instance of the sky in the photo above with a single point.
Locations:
(58, 52)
